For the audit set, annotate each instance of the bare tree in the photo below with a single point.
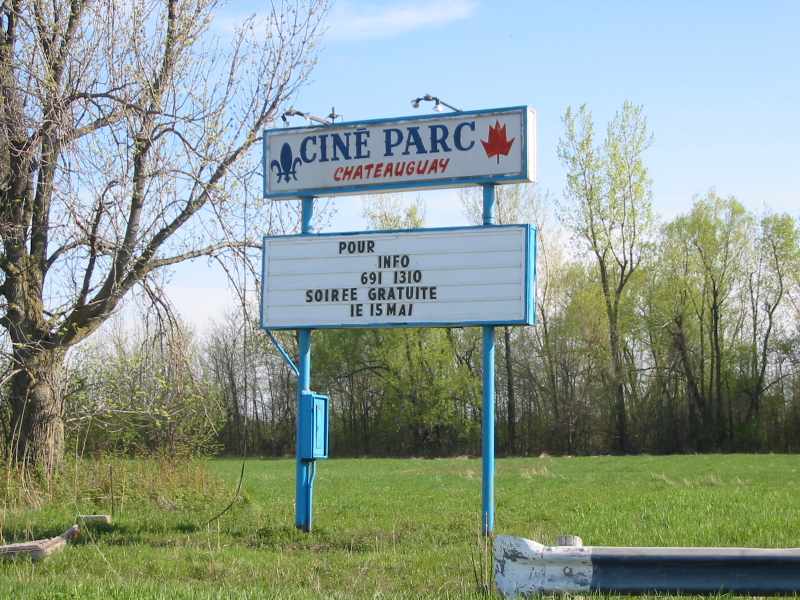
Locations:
(777, 252)
(124, 136)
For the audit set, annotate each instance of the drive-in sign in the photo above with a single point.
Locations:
(445, 277)
(474, 147)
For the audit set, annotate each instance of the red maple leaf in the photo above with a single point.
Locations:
(497, 143)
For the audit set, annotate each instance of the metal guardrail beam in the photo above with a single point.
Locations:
(524, 567)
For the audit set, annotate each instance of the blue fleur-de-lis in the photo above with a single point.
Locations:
(287, 165)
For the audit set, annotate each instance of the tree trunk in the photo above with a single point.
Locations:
(618, 384)
(695, 391)
(717, 352)
(550, 358)
(37, 406)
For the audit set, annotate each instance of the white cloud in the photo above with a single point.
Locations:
(366, 20)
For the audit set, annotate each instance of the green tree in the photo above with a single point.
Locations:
(140, 391)
(777, 255)
(719, 230)
(608, 207)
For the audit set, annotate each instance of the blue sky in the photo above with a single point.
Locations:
(719, 82)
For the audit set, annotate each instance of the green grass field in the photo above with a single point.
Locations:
(383, 528)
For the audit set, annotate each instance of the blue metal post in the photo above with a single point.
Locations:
(487, 429)
(304, 487)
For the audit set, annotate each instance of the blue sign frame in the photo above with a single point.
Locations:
(530, 278)
(305, 471)
(366, 188)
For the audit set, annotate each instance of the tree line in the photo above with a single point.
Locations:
(128, 149)
(678, 336)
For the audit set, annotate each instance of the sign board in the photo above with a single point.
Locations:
(426, 277)
(456, 149)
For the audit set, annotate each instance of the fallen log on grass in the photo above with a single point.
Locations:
(39, 549)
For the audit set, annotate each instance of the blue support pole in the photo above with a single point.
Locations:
(304, 486)
(487, 430)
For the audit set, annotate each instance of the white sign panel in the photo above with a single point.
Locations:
(427, 277)
(464, 148)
